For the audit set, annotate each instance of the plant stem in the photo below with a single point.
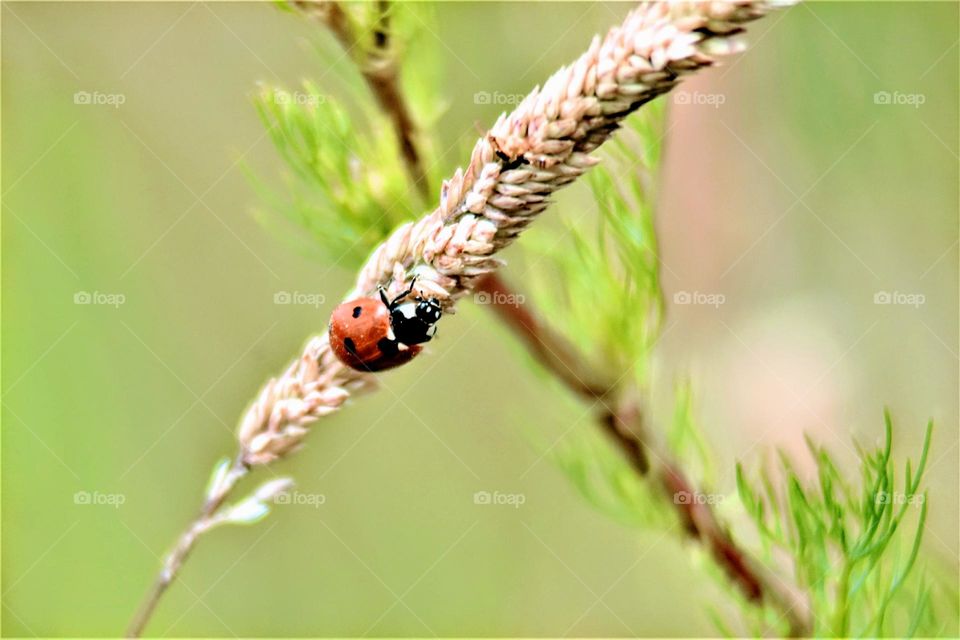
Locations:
(549, 349)
(381, 71)
(843, 588)
(185, 544)
(624, 423)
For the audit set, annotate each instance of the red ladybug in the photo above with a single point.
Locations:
(372, 335)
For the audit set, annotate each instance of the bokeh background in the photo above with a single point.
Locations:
(791, 190)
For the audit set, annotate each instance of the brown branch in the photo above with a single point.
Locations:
(380, 70)
(549, 349)
(559, 358)
(624, 425)
(623, 421)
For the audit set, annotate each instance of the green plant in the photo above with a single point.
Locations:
(849, 540)
(357, 193)
(347, 186)
(600, 283)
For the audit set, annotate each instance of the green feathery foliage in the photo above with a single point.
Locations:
(603, 477)
(348, 188)
(685, 439)
(607, 481)
(346, 183)
(852, 550)
(600, 289)
(600, 284)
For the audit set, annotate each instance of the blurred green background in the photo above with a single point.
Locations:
(797, 194)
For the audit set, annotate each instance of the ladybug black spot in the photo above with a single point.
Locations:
(387, 346)
(350, 345)
(357, 311)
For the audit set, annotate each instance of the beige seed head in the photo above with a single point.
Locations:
(547, 139)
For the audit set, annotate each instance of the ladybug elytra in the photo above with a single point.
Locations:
(372, 335)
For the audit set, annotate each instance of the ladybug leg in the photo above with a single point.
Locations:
(404, 294)
(383, 296)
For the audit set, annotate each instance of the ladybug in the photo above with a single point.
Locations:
(367, 334)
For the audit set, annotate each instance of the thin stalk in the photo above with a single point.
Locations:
(841, 617)
(381, 71)
(185, 544)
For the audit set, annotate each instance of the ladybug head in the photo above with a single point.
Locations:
(428, 311)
